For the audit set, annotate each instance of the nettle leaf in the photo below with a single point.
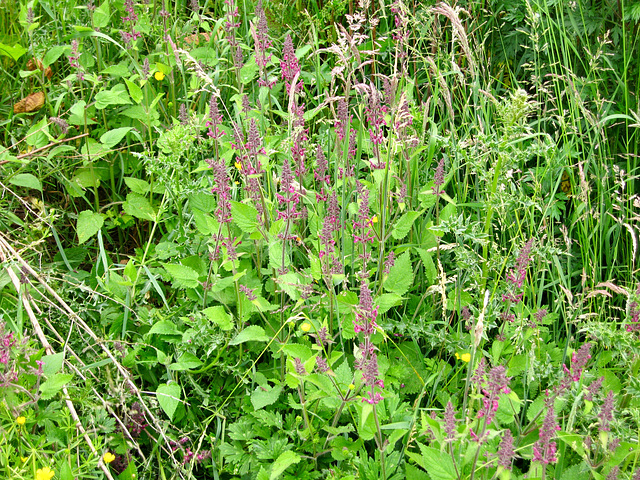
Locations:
(111, 138)
(116, 96)
(187, 361)
(26, 180)
(265, 395)
(403, 225)
(400, 276)
(53, 385)
(429, 266)
(220, 317)
(139, 207)
(252, 333)
(244, 216)
(52, 363)
(284, 461)
(164, 327)
(386, 301)
(183, 276)
(169, 398)
(438, 465)
(89, 223)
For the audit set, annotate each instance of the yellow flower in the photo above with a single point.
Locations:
(352, 386)
(20, 420)
(24, 459)
(374, 219)
(238, 165)
(465, 357)
(159, 76)
(44, 474)
(305, 327)
(108, 457)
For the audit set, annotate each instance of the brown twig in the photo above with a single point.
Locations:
(52, 144)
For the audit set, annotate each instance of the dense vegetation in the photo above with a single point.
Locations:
(322, 239)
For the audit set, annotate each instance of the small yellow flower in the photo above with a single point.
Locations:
(238, 165)
(24, 459)
(374, 219)
(108, 457)
(305, 327)
(159, 76)
(465, 357)
(352, 386)
(44, 474)
(20, 420)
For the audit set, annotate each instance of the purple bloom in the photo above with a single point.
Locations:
(389, 262)
(544, 450)
(518, 274)
(343, 119)
(248, 292)
(593, 389)
(506, 454)
(322, 365)
(606, 413)
(261, 37)
(215, 119)
(450, 422)
(438, 178)
(497, 382)
(300, 370)
(289, 66)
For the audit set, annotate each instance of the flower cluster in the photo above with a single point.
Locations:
(290, 67)
(73, 60)
(330, 226)
(367, 360)
(375, 111)
(130, 35)
(634, 313)
(222, 191)
(215, 119)
(544, 450)
(496, 382)
(230, 27)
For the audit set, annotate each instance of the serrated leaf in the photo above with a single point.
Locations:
(52, 363)
(183, 276)
(111, 138)
(252, 333)
(400, 276)
(164, 327)
(54, 384)
(244, 216)
(26, 180)
(134, 90)
(187, 361)
(386, 301)
(429, 266)
(220, 317)
(89, 223)
(139, 207)
(284, 461)
(263, 396)
(438, 465)
(404, 224)
(116, 96)
(138, 186)
(169, 398)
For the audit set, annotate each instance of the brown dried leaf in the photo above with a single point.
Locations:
(36, 64)
(197, 38)
(32, 103)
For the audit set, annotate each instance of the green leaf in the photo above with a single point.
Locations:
(164, 327)
(134, 90)
(220, 317)
(252, 333)
(101, 15)
(26, 180)
(284, 461)
(53, 54)
(429, 266)
(438, 465)
(404, 224)
(111, 138)
(386, 301)
(248, 72)
(400, 275)
(187, 361)
(169, 398)
(141, 187)
(183, 276)
(89, 223)
(14, 52)
(54, 384)
(244, 216)
(139, 207)
(52, 363)
(116, 96)
(263, 396)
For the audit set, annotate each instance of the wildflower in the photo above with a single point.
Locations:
(606, 413)
(131, 19)
(62, 125)
(352, 386)
(465, 357)
(505, 451)
(342, 122)
(593, 389)
(438, 178)
(450, 422)
(262, 41)
(544, 450)
(44, 474)
(290, 66)
(21, 420)
(518, 274)
(322, 365)
(305, 327)
(497, 382)
(389, 262)
(300, 370)
(158, 76)
(108, 457)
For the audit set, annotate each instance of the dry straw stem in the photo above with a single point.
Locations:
(8, 252)
(458, 30)
(47, 346)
